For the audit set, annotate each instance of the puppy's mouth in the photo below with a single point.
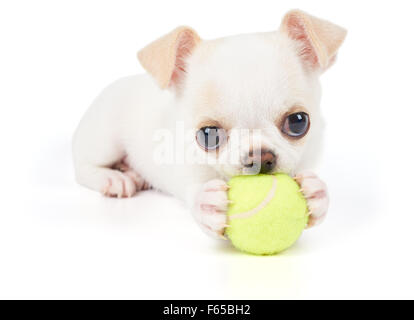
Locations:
(250, 167)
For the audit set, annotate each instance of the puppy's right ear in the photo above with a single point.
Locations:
(319, 39)
(165, 58)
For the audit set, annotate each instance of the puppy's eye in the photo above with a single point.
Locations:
(210, 138)
(296, 125)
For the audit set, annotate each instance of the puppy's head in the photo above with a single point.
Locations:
(253, 100)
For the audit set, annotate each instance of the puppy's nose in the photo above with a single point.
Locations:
(266, 159)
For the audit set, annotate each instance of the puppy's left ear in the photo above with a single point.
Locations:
(165, 58)
(319, 40)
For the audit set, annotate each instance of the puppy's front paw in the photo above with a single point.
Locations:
(316, 194)
(210, 208)
(119, 184)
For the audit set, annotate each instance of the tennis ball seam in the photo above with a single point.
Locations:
(269, 197)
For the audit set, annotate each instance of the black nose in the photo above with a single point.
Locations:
(263, 161)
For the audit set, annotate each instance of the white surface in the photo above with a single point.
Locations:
(58, 240)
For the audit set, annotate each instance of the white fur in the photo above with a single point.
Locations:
(255, 79)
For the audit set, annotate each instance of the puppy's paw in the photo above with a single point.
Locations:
(210, 208)
(140, 183)
(316, 194)
(119, 184)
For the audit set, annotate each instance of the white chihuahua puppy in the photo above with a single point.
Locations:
(198, 97)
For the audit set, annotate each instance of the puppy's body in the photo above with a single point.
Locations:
(121, 126)
(246, 82)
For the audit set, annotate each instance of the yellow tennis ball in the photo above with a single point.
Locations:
(267, 213)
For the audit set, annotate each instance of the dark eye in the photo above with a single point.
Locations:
(296, 124)
(210, 138)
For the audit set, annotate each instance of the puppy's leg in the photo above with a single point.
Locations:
(209, 206)
(140, 182)
(107, 128)
(103, 168)
(316, 194)
(108, 181)
(97, 152)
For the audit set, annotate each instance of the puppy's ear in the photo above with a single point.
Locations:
(165, 58)
(319, 39)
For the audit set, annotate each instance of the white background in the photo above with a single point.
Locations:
(59, 240)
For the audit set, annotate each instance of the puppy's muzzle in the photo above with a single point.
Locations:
(259, 161)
